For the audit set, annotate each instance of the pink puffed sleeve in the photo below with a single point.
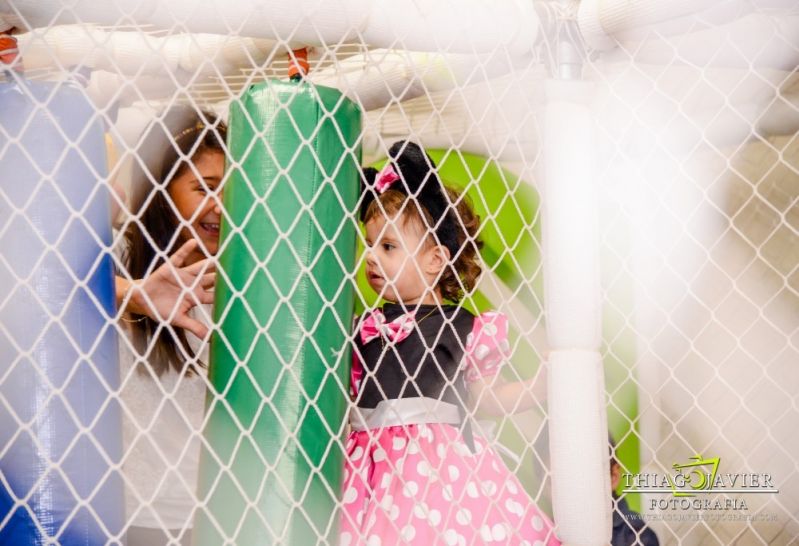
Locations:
(487, 345)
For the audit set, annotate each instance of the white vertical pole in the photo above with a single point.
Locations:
(578, 420)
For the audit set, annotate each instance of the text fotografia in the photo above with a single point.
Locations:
(707, 505)
(699, 476)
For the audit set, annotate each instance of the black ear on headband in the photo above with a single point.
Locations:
(368, 175)
(418, 179)
(417, 174)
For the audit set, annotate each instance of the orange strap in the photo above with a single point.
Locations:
(298, 63)
(9, 50)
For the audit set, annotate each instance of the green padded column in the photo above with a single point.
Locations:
(272, 469)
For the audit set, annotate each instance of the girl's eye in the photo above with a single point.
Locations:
(387, 246)
(206, 188)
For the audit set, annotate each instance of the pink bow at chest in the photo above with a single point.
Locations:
(398, 329)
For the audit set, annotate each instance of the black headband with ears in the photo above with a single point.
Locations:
(411, 171)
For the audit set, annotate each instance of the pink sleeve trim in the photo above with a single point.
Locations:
(487, 345)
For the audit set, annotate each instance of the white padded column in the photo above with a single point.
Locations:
(578, 422)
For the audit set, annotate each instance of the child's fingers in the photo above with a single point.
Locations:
(201, 289)
(203, 295)
(208, 281)
(179, 257)
(193, 281)
(192, 325)
(206, 265)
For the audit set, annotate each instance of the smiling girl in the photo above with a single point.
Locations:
(164, 290)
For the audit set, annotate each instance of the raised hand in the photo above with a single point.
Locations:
(172, 290)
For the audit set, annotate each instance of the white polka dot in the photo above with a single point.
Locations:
(387, 502)
(435, 516)
(538, 523)
(526, 543)
(471, 490)
(410, 489)
(498, 532)
(453, 472)
(464, 516)
(394, 513)
(350, 495)
(446, 492)
(379, 455)
(373, 540)
(372, 521)
(426, 433)
(346, 475)
(413, 447)
(398, 443)
(512, 487)
(504, 345)
(420, 510)
(451, 537)
(481, 351)
(423, 468)
(539, 543)
(441, 451)
(490, 328)
(356, 454)
(489, 488)
(408, 532)
(469, 339)
(514, 507)
(385, 480)
(495, 466)
(359, 518)
(485, 534)
(345, 539)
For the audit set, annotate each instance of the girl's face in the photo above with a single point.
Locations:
(399, 266)
(199, 201)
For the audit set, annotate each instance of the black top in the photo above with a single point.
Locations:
(629, 528)
(423, 364)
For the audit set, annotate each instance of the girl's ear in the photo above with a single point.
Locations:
(437, 259)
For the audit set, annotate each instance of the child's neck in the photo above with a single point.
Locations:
(428, 299)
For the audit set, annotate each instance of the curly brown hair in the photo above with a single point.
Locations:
(461, 274)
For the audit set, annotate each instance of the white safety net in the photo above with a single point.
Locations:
(635, 169)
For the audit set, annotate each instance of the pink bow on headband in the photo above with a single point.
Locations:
(385, 178)
(375, 325)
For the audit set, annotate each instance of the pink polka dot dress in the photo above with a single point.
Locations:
(415, 473)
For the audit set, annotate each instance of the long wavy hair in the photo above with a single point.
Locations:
(167, 149)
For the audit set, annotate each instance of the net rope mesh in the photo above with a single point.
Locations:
(697, 182)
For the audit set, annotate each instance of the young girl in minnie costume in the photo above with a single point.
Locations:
(415, 472)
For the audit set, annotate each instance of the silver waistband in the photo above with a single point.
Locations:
(404, 411)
